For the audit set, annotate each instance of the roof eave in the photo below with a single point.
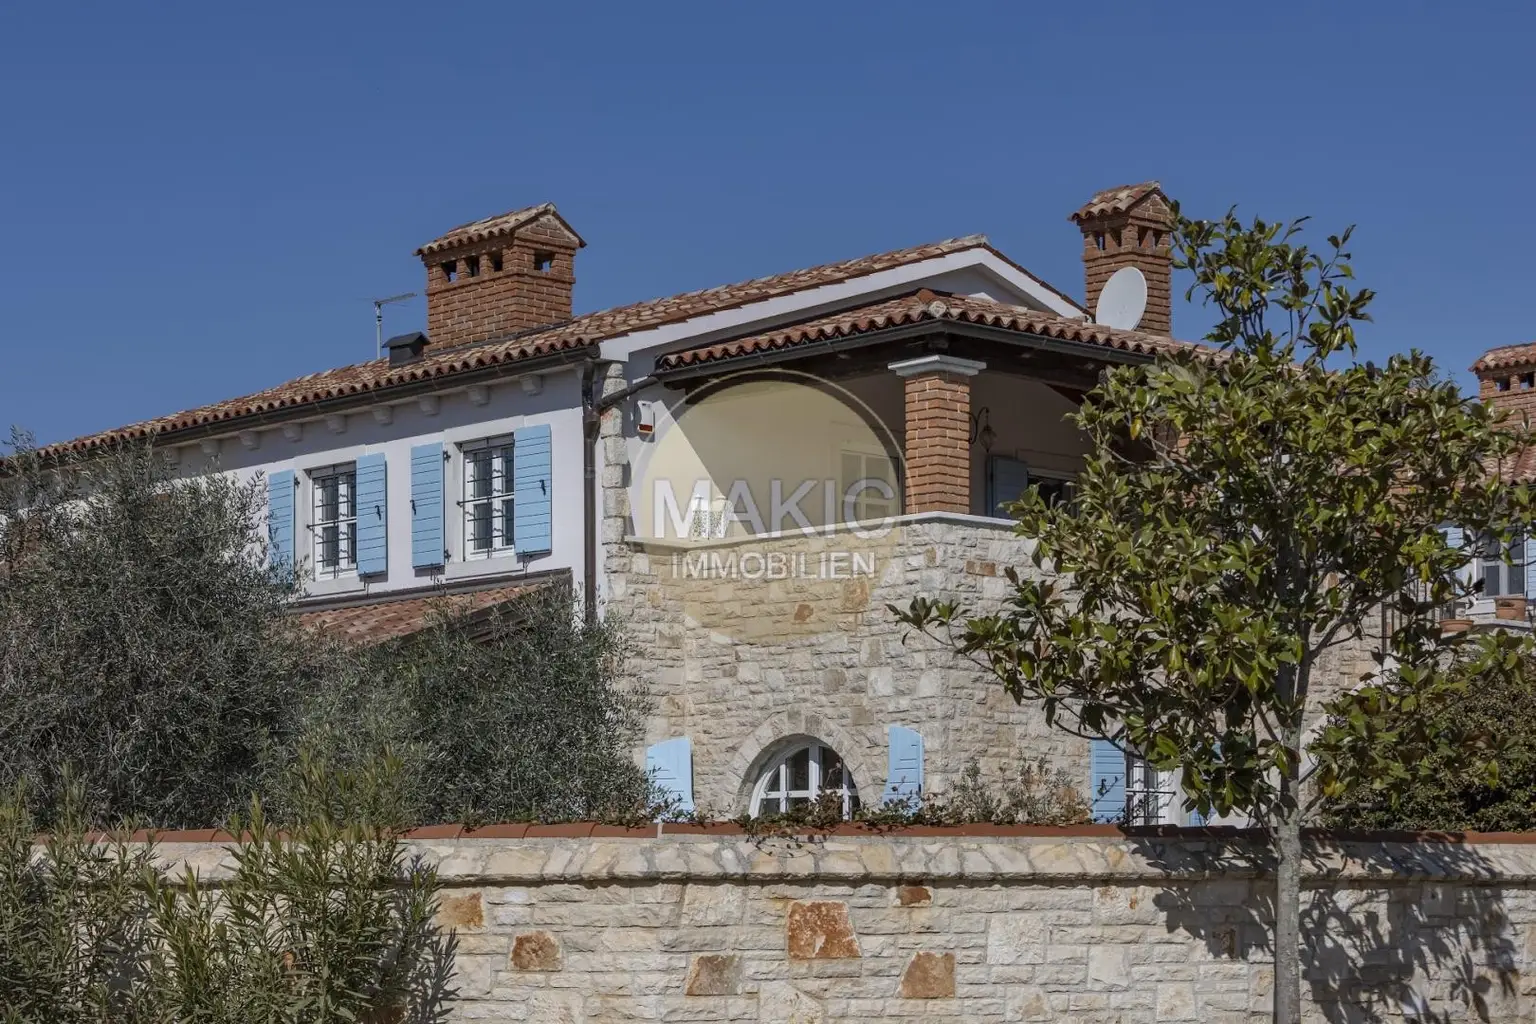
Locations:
(926, 327)
(585, 353)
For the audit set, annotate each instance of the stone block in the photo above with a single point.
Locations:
(713, 975)
(713, 905)
(780, 1002)
(1109, 966)
(463, 913)
(1175, 1001)
(1027, 1003)
(929, 976)
(535, 951)
(1017, 938)
(914, 895)
(820, 930)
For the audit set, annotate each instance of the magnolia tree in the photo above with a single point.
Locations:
(1246, 508)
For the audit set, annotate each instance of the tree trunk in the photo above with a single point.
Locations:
(1288, 919)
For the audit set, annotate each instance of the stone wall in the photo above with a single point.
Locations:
(584, 925)
(742, 670)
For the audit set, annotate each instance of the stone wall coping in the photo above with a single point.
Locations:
(992, 523)
(589, 829)
(605, 855)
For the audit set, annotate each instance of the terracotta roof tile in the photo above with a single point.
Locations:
(358, 379)
(391, 617)
(915, 308)
(1506, 356)
(1116, 200)
(493, 227)
(582, 332)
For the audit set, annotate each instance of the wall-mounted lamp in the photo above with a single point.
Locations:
(981, 428)
(645, 420)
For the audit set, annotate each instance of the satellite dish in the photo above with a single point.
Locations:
(1123, 300)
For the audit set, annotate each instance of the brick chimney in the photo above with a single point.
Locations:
(500, 275)
(1506, 378)
(1129, 226)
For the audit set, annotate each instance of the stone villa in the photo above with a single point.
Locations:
(623, 452)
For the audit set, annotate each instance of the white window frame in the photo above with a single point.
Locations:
(772, 794)
(870, 508)
(345, 473)
(500, 503)
(1509, 563)
(1150, 794)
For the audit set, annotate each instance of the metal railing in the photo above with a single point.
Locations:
(1394, 617)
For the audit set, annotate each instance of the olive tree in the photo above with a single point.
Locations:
(1246, 507)
(145, 644)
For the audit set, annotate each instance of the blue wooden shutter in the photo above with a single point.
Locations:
(1106, 791)
(1456, 538)
(372, 516)
(904, 778)
(670, 765)
(427, 505)
(280, 518)
(1530, 568)
(531, 513)
(1006, 480)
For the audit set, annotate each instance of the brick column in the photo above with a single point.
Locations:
(938, 432)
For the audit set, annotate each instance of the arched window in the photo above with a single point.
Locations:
(801, 775)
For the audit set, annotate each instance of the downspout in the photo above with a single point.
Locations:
(592, 408)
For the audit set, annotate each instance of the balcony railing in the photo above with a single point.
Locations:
(1394, 617)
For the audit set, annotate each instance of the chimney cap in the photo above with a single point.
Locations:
(1120, 199)
(406, 348)
(1506, 357)
(487, 228)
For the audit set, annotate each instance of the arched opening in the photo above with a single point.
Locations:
(801, 774)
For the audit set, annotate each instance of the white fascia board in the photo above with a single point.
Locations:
(1028, 291)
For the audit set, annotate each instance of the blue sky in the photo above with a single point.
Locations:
(198, 201)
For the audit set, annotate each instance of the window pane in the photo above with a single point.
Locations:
(831, 769)
(800, 770)
(480, 527)
(504, 471)
(347, 488)
(478, 465)
(327, 555)
(349, 551)
(799, 801)
(326, 499)
(853, 467)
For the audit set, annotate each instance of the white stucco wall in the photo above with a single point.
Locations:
(457, 420)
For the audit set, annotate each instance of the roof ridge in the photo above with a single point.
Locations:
(376, 374)
(956, 244)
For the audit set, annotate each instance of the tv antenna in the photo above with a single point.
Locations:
(378, 320)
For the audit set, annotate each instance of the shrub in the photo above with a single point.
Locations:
(1457, 796)
(148, 651)
(1034, 795)
(74, 935)
(516, 718)
(328, 921)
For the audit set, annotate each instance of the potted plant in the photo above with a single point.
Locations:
(1509, 608)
